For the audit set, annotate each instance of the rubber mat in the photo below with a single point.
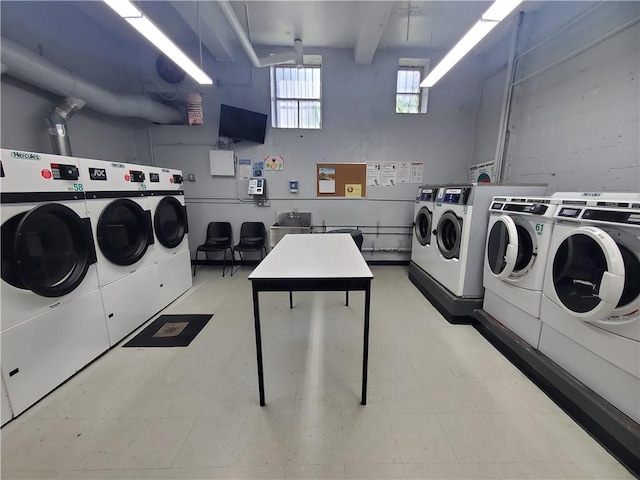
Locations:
(170, 331)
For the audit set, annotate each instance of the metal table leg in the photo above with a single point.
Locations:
(256, 317)
(365, 355)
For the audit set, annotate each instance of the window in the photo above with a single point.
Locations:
(410, 98)
(296, 97)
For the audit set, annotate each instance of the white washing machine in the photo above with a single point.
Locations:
(518, 239)
(116, 197)
(460, 218)
(170, 226)
(590, 307)
(422, 246)
(52, 322)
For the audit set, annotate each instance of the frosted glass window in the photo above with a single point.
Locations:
(296, 97)
(408, 90)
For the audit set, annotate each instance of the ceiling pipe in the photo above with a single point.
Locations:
(57, 123)
(3, 68)
(29, 67)
(288, 57)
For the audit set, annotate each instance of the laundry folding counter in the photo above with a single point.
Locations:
(312, 263)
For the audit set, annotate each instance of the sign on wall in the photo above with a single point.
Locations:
(482, 173)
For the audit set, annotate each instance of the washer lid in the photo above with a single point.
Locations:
(449, 234)
(124, 232)
(47, 250)
(502, 247)
(423, 224)
(588, 274)
(170, 222)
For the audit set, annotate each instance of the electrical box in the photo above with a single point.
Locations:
(257, 186)
(222, 163)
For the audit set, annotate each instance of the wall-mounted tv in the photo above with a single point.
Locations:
(238, 124)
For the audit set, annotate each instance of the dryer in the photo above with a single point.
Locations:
(165, 190)
(117, 204)
(422, 246)
(518, 239)
(52, 322)
(590, 308)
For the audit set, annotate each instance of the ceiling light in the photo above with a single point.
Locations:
(151, 32)
(489, 20)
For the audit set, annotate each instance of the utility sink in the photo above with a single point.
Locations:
(289, 222)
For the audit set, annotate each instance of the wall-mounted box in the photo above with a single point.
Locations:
(222, 163)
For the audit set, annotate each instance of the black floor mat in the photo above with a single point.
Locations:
(170, 331)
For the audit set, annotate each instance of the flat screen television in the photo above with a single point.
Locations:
(238, 124)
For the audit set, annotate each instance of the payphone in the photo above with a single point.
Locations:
(257, 187)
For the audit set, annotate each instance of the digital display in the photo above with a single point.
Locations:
(452, 197)
(426, 196)
(497, 206)
(569, 212)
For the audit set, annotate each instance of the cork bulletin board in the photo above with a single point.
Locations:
(335, 180)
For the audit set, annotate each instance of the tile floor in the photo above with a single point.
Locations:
(443, 403)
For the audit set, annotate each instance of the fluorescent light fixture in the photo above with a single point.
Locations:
(151, 32)
(489, 20)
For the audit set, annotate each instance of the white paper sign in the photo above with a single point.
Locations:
(482, 173)
(389, 174)
(374, 178)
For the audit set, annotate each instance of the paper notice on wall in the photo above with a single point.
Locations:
(273, 163)
(389, 174)
(327, 180)
(482, 172)
(373, 175)
(353, 190)
(244, 168)
(410, 172)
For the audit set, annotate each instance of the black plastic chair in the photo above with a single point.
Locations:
(253, 238)
(219, 238)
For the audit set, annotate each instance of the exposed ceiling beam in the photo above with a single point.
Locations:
(371, 28)
(212, 28)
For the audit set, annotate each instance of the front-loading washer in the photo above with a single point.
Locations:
(53, 323)
(519, 234)
(422, 246)
(165, 190)
(590, 308)
(117, 204)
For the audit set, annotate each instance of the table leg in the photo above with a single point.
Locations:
(290, 299)
(347, 298)
(256, 317)
(365, 355)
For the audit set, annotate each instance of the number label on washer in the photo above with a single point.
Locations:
(77, 187)
(539, 227)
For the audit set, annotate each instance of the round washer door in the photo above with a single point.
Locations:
(124, 232)
(628, 308)
(588, 274)
(170, 222)
(423, 226)
(47, 250)
(449, 235)
(502, 247)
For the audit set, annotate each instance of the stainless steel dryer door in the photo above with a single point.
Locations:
(588, 274)
(449, 234)
(423, 226)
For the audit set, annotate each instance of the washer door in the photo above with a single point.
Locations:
(423, 226)
(449, 235)
(628, 308)
(47, 250)
(170, 222)
(588, 274)
(502, 247)
(124, 232)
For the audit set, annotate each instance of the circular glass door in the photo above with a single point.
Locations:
(449, 233)
(588, 274)
(502, 247)
(423, 226)
(124, 232)
(628, 307)
(47, 250)
(170, 222)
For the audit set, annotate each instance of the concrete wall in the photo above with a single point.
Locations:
(359, 125)
(64, 36)
(574, 126)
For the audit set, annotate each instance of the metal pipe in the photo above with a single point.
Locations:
(57, 124)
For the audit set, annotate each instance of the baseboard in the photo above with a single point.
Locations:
(615, 431)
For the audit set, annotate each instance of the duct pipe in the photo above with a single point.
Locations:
(57, 123)
(3, 68)
(287, 57)
(25, 65)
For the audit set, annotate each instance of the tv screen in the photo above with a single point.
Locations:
(239, 124)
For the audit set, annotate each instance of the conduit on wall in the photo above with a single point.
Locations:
(29, 67)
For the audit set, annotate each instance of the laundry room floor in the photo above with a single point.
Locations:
(442, 402)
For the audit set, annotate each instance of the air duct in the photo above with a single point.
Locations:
(57, 123)
(287, 57)
(25, 65)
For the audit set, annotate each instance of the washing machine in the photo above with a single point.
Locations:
(590, 308)
(170, 226)
(422, 246)
(117, 204)
(52, 322)
(518, 239)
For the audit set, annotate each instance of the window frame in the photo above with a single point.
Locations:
(420, 71)
(275, 99)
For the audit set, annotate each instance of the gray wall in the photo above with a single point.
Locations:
(574, 126)
(359, 125)
(64, 36)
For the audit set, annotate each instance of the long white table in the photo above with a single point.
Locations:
(316, 262)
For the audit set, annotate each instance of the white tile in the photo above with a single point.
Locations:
(493, 471)
(212, 442)
(427, 471)
(420, 439)
(446, 395)
(255, 473)
(264, 439)
(316, 439)
(380, 471)
(368, 438)
(315, 472)
(490, 395)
